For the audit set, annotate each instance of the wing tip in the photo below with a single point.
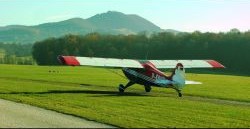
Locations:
(68, 60)
(215, 64)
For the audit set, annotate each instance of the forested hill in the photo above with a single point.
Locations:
(232, 49)
(110, 22)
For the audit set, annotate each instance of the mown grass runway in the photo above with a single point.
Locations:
(91, 93)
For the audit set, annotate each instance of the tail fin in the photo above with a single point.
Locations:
(179, 67)
(178, 76)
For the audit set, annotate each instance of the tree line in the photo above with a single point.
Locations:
(232, 49)
(13, 53)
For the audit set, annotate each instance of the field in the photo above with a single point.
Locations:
(91, 93)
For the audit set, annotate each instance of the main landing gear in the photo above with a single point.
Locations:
(147, 88)
(122, 87)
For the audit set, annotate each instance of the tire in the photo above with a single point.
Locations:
(121, 88)
(179, 94)
(147, 88)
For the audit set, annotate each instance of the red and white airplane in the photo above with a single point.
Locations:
(146, 72)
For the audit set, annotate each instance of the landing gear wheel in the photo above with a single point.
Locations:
(121, 88)
(147, 88)
(179, 94)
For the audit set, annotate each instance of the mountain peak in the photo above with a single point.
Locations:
(75, 19)
(110, 22)
(119, 21)
(108, 14)
(114, 12)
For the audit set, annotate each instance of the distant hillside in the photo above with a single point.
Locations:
(116, 22)
(111, 23)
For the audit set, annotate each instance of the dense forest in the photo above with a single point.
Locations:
(232, 49)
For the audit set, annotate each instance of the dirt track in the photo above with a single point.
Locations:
(17, 115)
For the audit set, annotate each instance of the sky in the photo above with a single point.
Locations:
(181, 15)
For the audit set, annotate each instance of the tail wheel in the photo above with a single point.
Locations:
(147, 88)
(179, 94)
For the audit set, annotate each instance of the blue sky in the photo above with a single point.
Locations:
(182, 15)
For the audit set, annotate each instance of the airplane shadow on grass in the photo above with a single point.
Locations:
(94, 92)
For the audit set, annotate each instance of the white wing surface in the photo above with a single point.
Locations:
(186, 63)
(130, 63)
(102, 62)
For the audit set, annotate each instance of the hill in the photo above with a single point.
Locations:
(110, 22)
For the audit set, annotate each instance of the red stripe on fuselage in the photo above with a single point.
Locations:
(215, 64)
(69, 60)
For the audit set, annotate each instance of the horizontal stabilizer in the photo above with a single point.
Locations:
(192, 82)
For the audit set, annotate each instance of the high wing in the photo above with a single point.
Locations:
(101, 62)
(130, 63)
(187, 63)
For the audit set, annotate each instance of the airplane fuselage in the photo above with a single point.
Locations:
(150, 76)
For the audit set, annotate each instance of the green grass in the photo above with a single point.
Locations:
(221, 101)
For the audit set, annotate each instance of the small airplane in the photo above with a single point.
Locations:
(146, 72)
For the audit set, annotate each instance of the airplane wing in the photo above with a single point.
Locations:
(130, 63)
(187, 63)
(101, 62)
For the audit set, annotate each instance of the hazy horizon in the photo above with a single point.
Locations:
(189, 16)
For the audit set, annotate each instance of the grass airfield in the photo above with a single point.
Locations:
(91, 93)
